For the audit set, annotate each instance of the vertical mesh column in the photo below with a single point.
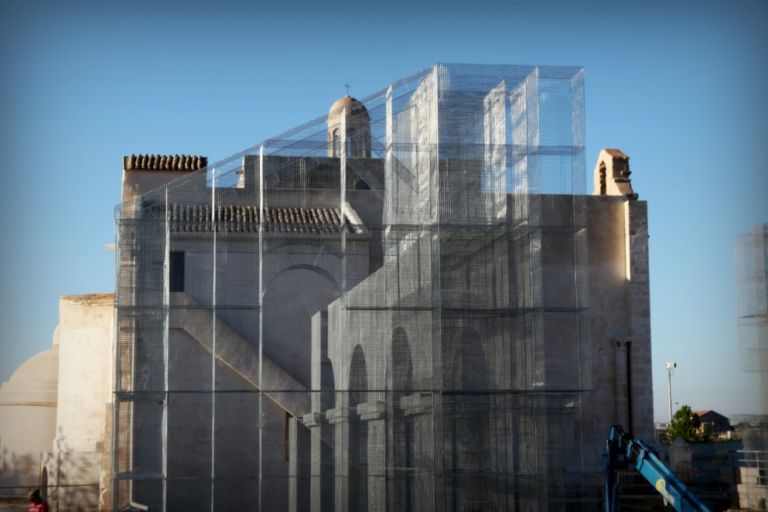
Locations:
(752, 311)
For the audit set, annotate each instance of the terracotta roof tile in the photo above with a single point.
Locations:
(195, 218)
(164, 162)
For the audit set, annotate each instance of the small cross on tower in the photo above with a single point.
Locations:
(347, 86)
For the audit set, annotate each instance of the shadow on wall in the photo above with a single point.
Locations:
(19, 474)
(67, 478)
(72, 477)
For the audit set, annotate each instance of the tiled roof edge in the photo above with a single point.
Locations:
(184, 163)
(245, 218)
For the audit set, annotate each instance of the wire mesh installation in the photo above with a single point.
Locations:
(752, 288)
(383, 309)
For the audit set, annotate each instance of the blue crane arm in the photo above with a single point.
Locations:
(623, 450)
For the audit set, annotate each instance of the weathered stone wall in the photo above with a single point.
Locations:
(619, 322)
(84, 335)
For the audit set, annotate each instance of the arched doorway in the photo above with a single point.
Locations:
(358, 433)
(328, 430)
(469, 420)
(402, 425)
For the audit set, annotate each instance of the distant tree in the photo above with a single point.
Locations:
(687, 425)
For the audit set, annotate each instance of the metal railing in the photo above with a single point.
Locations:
(755, 459)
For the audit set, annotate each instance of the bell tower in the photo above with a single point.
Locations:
(358, 125)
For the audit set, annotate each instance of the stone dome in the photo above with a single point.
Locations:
(35, 382)
(354, 107)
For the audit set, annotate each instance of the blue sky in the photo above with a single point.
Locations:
(679, 86)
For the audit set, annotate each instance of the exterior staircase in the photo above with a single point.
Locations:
(242, 358)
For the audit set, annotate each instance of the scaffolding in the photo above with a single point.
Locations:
(382, 309)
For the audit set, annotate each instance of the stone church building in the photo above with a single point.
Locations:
(408, 304)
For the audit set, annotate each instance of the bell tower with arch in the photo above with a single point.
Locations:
(358, 126)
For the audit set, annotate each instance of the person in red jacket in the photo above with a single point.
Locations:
(36, 502)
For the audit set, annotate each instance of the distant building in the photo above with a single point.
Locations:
(717, 423)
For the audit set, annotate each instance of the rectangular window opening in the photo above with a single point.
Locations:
(176, 272)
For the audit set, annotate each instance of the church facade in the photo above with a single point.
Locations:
(408, 304)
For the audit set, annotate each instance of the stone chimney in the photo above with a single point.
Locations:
(142, 173)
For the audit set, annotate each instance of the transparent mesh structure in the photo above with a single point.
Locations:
(382, 309)
(752, 311)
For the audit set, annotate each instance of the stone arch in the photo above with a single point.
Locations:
(352, 149)
(469, 419)
(336, 142)
(291, 297)
(358, 377)
(312, 268)
(327, 385)
(328, 432)
(44, 483)
(403, 455)
(358, 432)
(320, 247)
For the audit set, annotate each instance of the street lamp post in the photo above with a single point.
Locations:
(670, 368)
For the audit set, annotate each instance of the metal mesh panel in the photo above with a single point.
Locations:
(752, 311)
(382, 309)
